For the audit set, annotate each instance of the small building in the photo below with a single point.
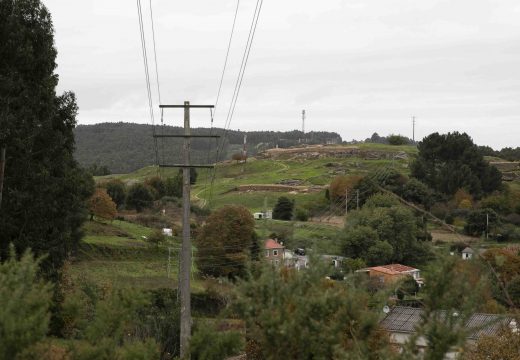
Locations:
(389, 274)
(167, 232)
(467, 253)
(274, 252)
(402, 321)
(263, 215)
(335, 260)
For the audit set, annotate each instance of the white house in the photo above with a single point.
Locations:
(167, 232)
(467, 253)
(263, 215)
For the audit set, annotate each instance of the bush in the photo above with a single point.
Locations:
(283, 210)
(477, 221)
(25, 302)
(158, 186)
(139, 197)
(116, 189)
(397, 140)
(156, 238)
(208, 343)
(301, 214)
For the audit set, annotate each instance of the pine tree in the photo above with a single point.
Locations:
(43, 205)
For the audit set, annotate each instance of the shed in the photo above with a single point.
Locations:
(467, 253)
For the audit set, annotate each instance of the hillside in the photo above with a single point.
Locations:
(126, 147)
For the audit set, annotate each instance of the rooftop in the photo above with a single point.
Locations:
(393, 269)
(405, 319)
(468, 250)
(273, 244)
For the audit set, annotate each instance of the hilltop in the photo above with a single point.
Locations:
(127, 147)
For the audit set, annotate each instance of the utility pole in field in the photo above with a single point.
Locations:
(2, 169)
(413, 129)
(244, 153)
(186, 249)
(303, 122)
(357, 199)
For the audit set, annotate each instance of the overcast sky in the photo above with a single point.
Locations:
(356, 66)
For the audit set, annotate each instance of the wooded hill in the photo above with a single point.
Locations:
(126, 147)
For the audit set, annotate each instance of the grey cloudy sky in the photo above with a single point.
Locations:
(356, 66)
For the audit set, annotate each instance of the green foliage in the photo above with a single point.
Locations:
(43, 205)
(398, 140)
(156, 238)
(301, 315)
(418, 193)
(452, 295)
(157, 185)
(477, 221)
(380, 235)
(107, 324)
(451, 162)
(98, 170)
(24, 313)
(173, 186)
(139, 197)
(408, 287)
(283, 210)
(224, 242)
(208, 343)
(301, 214)
(116, 189)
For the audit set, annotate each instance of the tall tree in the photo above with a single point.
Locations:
(225, 242)
(283, 210)
(452, 161)
(44, 190)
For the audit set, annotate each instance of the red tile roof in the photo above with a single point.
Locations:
(273, 244)
(393, 269)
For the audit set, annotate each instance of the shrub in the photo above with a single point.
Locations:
(283, 210)
(301, 214)
(208, 343)
(156, 238)
(139, 197)
(25, 302)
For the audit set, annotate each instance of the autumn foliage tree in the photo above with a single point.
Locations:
(101, 205)
(340, 184)
(225, 241)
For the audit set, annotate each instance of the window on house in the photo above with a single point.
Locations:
(275, 252)
(267, 253)
(276, 262)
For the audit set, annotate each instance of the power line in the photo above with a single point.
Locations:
(147, 76)
(238, 83)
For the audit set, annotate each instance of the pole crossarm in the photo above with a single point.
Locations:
(210, 166)
(186, 106)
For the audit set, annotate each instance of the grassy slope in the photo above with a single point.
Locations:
(116, 253)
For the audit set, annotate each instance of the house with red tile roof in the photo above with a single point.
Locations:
(274, 252)
(389, 274)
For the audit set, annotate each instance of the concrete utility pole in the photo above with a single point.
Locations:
(186, 249)
(2, 168)
(303, 121)
(357, 199)
(413, 129)
(244, 153)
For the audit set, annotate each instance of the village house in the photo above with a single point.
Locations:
(390, 274)
(274, 252)
(467, 253)
(402, 321)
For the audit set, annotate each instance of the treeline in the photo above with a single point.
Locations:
(507, 153)
(126, 147)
